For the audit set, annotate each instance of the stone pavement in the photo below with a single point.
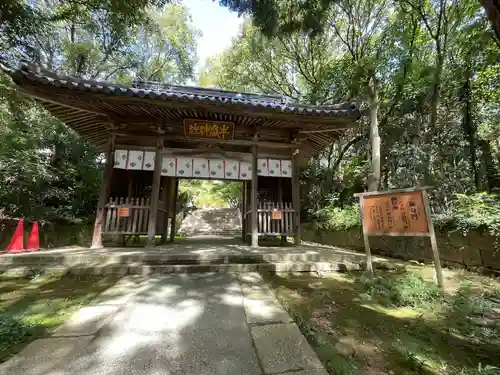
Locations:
(199, 324)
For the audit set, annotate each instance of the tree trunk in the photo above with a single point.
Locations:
(436, 86)
(492, 8)
(374, 178)
(492, 176)
(470, 129)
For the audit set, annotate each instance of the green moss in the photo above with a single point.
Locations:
(387, 338)
(31, 308)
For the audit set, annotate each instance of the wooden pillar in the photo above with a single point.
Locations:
(255, 229)
(155, 194)
(243, 210)
(165, 195)
(249, 216)
(173, 208)
(296, 196)
(280, 202)
(104, 194)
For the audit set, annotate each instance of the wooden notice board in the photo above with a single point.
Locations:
(196, 128)
(402, 212)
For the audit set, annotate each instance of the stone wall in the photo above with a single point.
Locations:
(472, 250)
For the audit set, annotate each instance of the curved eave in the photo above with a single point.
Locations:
(98, 100)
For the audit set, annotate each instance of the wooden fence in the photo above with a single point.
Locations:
(273, 218)
(127, 215)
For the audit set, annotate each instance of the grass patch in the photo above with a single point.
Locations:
(397, 323)
(400, 290)
(31, 308)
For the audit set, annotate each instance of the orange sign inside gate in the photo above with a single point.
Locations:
(123, 211)
(394, 213)
(276, 215)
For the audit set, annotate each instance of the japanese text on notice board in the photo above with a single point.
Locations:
(394, 213)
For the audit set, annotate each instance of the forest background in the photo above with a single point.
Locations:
(427, 75)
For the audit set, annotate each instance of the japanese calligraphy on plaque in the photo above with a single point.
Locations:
(394, 213)
(276, 215)
(399, 212)
(194, 128)
(123, 211)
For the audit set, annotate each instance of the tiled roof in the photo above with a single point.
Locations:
(154, 90)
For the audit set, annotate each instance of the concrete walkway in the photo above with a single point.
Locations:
(181, 324)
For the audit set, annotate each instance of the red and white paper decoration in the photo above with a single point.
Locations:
(262, 167)
(168, 166)
(286, 168)
(149, 161)
(231, 169)
(201, 167)
(245, 170)
(274, 169)
(135, 160)
(184, 167)
(216, 168)
(121, 159)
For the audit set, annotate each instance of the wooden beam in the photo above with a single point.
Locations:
(234, 142)
(296, 196)
(46, 99)
(103, 194)
(255, 230)
(174, 208)
(318, 131)
(155, 194)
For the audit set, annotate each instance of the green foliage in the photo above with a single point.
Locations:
(472, 212)
(14, 330)
(478, 211)
(487, 370)
(407, 290)
(436, 69)
(335, 218)
(475, 313)
(200, 193)
(47, 171)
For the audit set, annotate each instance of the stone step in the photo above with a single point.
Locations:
(157, 257)
(133, 269)
(221, 221)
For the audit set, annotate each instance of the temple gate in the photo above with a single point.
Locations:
(154, 134)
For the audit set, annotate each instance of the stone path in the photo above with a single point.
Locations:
(181, 324)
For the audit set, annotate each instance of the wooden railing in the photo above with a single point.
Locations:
(273, 218)
(127, 215)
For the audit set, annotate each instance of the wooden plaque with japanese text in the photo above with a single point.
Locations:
(399, 213)
(207, 129)
(123, 211)
(276, 215)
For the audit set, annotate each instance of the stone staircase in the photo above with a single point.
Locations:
(212, 221)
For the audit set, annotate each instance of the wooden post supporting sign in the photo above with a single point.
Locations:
(401, 212)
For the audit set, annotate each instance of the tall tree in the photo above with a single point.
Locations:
(47, 171)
